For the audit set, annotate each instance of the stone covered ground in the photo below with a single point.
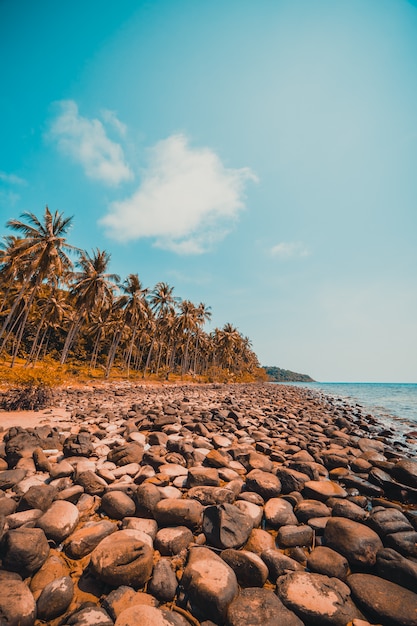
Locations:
(214, 505)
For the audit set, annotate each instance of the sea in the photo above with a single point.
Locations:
(394, 404)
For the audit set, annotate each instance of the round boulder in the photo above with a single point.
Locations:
(17, 604)
(123, 559)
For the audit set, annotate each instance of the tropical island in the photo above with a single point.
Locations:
(279, 375)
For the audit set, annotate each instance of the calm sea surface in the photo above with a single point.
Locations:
(389, 401)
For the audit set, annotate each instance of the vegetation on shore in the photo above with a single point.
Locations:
(278, 375)
(62, 313)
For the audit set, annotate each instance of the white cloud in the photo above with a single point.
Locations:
(289, 250)
(111, 118)
(12, 179)
(186, 201)
(86, 142)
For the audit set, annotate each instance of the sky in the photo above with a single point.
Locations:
(258, 155)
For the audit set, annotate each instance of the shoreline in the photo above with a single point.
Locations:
(269, 487)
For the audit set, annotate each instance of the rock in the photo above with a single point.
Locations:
(249, 568)
(317, 599)
(278, 512)
(8, 506)
(78, 445)
(59, 521)
(279, 564)
(384, 600)
(211, 495)
(173, 540)
(225, 526)
(124, 598)
(350, 510)
(254, 511)
(291, 536)
(210, 584)
(355, 541)
(323, 489)
(163, 584)
(55, 598)
(178, 512)
(27, 519)
(307, 509)
(91, 483)
(117, 504)
(122, 559)
(265, 484)
(147, 497)
(387, 521)
(150, 616)
(17, 604)
(38, 497)
(405, 543)
(53, 568)
(291, 479)
(199, 476)
(260, 607)
(405, 471)
(323, 560)
(11, 477)
(396, 568)
(126, 453)
(25, 550)
(90, 616)
(83, 541)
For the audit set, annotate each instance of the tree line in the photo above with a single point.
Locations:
(60, 301)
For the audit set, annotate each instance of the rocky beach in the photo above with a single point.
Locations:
(245, 504)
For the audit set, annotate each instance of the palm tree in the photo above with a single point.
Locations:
(91, 288)
(40, 255)
(161, 302)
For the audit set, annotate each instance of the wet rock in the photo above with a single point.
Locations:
(25, 550)
(55, 598)
(387, 521)
(17, 604)
(83, 541)
(117, 505)
(383, 600)
(323, 560)
(163, 584)
(405, 471)
(226, 526)
(317, 599)
(59, 520)
(260, 607)
(355, 541)
(173, 540)
(209, 583)
(249, 568)
(122, 559)
(265, 484)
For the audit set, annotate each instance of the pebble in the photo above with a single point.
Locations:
(216, 504)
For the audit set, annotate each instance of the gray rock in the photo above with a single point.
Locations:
(163, 584)
(279, 512)
(211, 495)
(124, 598)
(11, 477)
(90, 616)
(265, 484)
(291, 536)
(178, 512)
(350, 510)
(173, 540)
(279, 564)
(37, 497)
(405, 543)
(396, 568)
(307, 509)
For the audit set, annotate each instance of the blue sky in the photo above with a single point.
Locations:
(258, 155)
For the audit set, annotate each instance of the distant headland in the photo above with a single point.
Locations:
(279, 375)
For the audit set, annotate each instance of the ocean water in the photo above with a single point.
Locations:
(393, 403)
